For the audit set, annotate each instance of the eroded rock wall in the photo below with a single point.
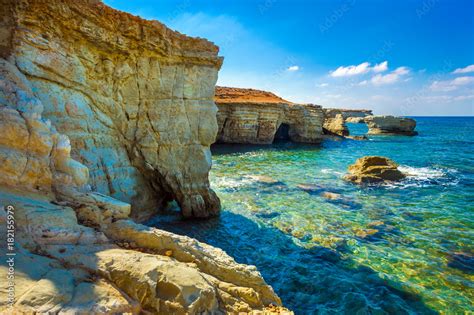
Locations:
(334, 123)
(134, 97)
(77, 252)
(391, 125)
(254, 116)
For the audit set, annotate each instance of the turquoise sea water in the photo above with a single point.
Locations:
(404, 248)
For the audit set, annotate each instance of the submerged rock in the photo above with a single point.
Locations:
(391, 125)
(463, 261)
(370, 169)
(310, 188)
(264, 179)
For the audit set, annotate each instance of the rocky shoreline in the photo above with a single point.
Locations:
(105, 119)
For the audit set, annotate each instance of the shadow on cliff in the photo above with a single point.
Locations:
(309, 281)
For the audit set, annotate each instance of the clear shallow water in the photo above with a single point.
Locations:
(402, 248)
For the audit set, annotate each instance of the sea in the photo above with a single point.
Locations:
(328, 246)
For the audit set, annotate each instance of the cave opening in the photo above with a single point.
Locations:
(282, 134)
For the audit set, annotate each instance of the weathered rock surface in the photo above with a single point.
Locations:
(134, 97)
(260, 117)
(355, 120)
(372, 169)
(100, 276)
(391, 125)
(159, 272)
(334, 123)
(76, 250)
(352, 113)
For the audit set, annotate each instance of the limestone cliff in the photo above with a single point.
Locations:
(391, 125)
(134, 97)
(334, 123)
(76, 250)
(260, 117)
(348, 113)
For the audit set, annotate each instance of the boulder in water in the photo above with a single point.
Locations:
(371, 169)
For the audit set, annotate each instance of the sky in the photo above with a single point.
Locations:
(411, 58)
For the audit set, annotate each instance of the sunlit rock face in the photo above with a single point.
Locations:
(391, 125)
(134, 97)
(334, 123)
(348, 113)
(260, 117)
(76, 250)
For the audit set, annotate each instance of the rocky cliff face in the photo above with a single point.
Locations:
(260, 117)
(76, 250)
(334, 123)
(347, 113)
(391, 125)
(134, 97)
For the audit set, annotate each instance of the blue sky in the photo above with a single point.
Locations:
(396, 57)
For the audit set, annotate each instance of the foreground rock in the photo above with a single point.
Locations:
(77, 251)
(372, 169)
(260, 117)
(134, 97)
(391, 125)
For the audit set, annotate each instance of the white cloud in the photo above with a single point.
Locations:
(293, 68)
(351, 70)
(451, 85)
(464, 97)
(391, 77)
(446, 98)
(467, 69)
(323, 84)
(363, 82)
(381, 67)
(359, 69)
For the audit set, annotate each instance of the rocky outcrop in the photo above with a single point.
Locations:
(373, 169)
(348, 113)
(334, 123)
(355, 120)
(76, 251)
(134, 97)
(391, 125)
(123, 98)
(260, 117)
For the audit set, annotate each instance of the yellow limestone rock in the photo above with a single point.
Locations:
(132, 100)
(391, 125)
(260, 117)
(370, 169)
(134, 97)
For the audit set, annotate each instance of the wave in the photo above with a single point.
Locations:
(426, 176)
(422, 173)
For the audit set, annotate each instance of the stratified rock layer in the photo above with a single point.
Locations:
(134, 97)
(373, 169)
(348, 113)
(334, 123)
(391, 125)
(76, 251)
(260, 117)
